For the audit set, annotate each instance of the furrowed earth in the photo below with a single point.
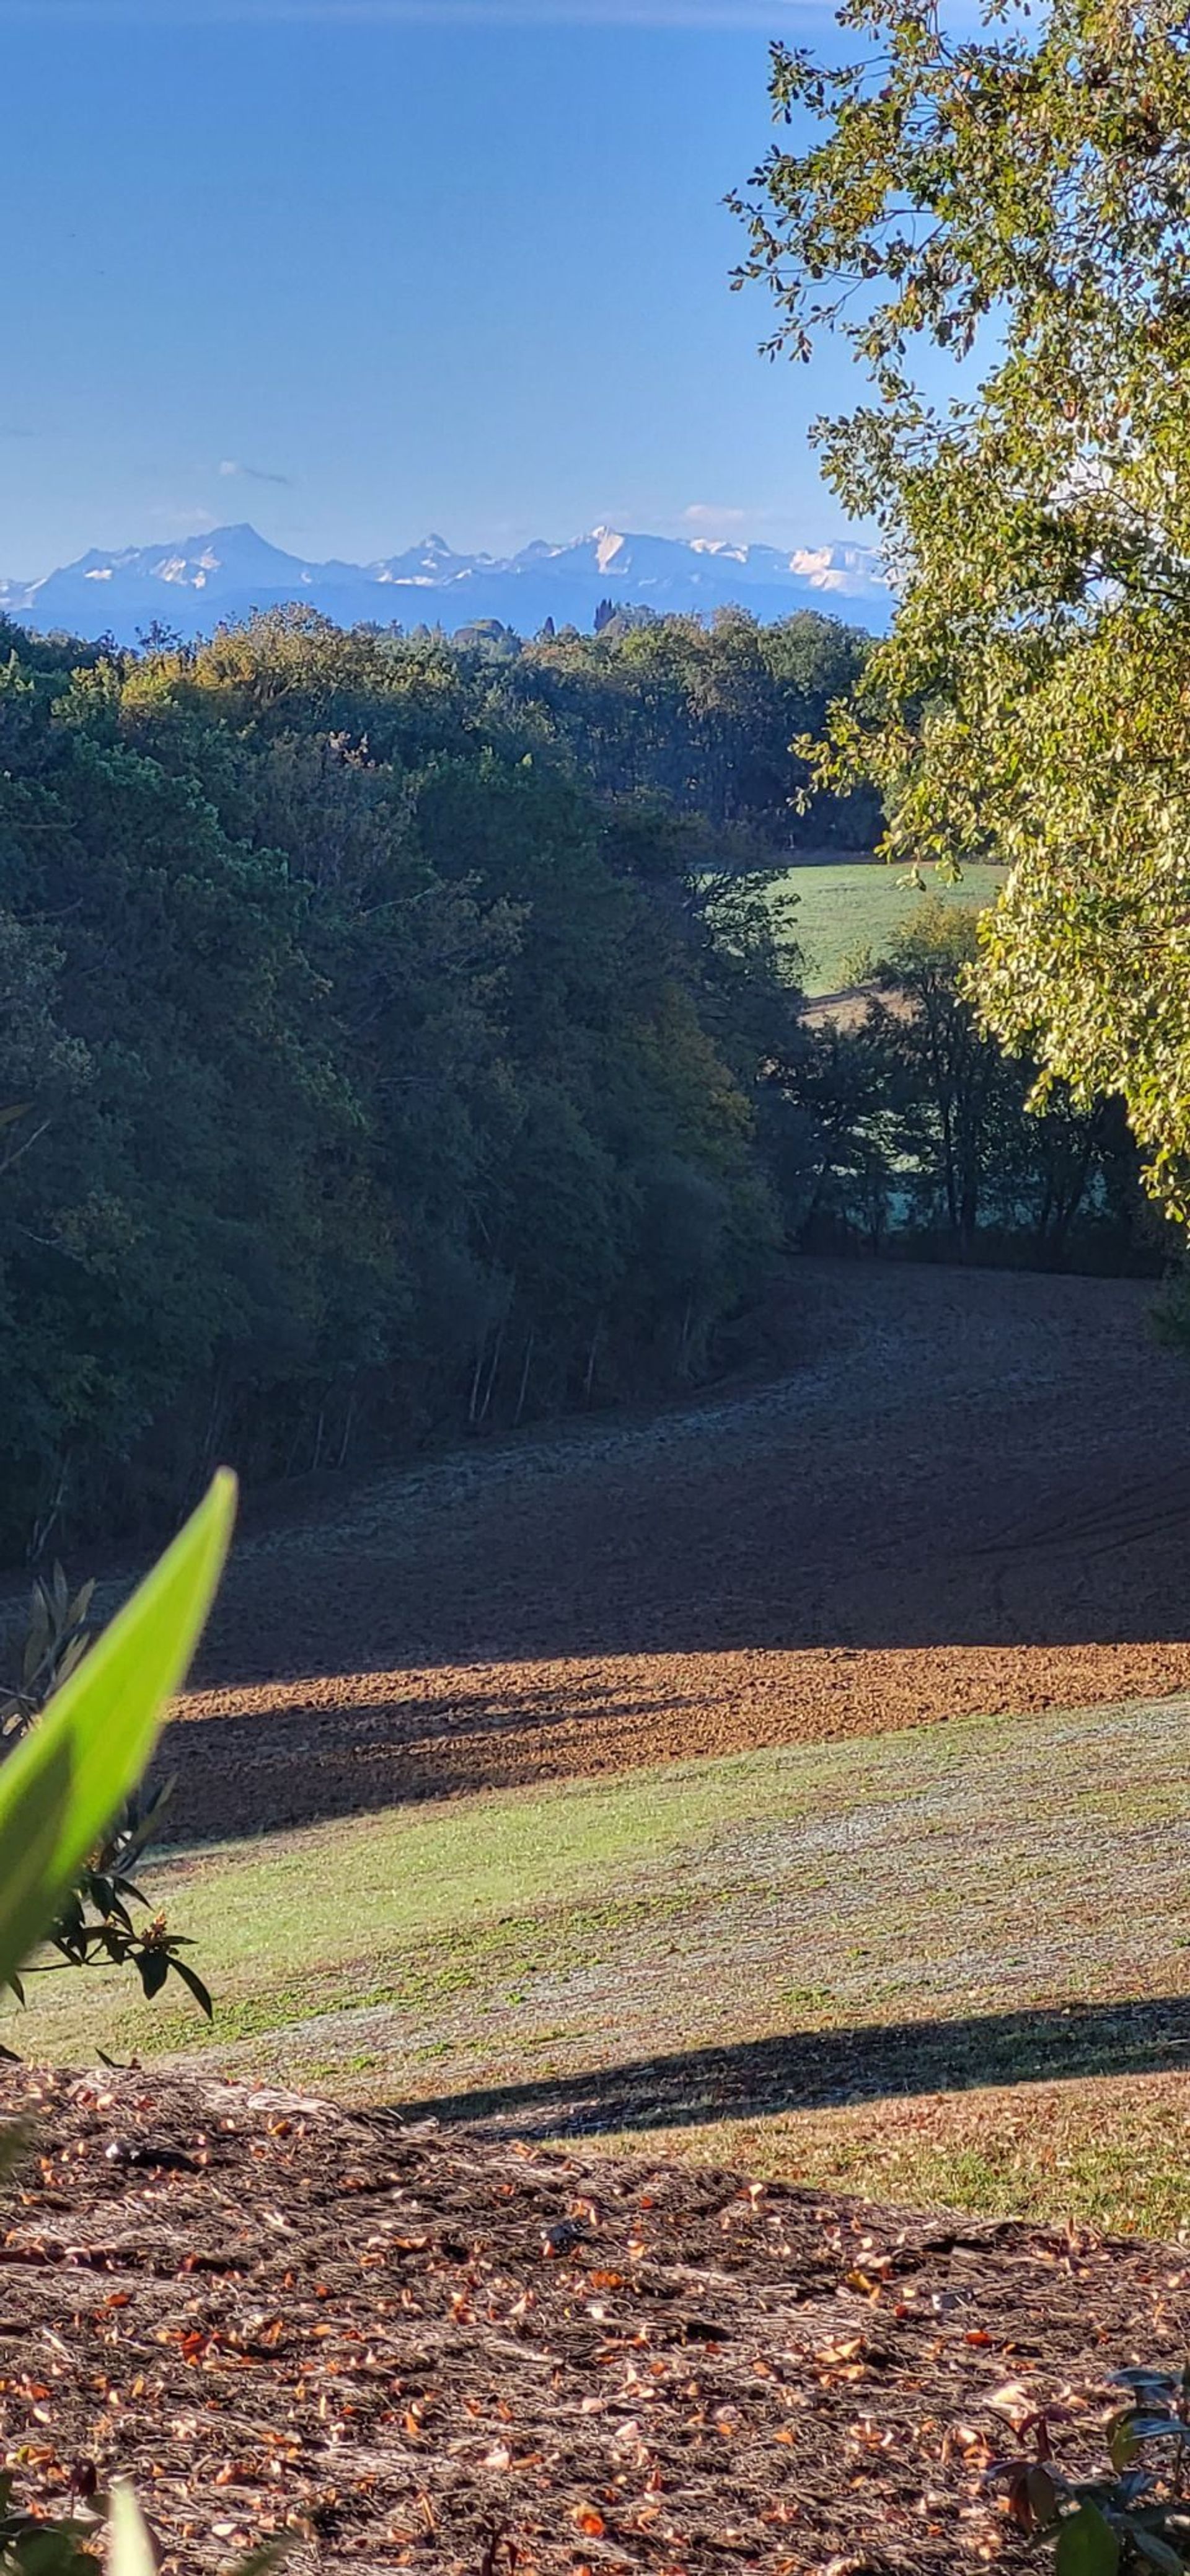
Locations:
(958, 1493)
(787, 1784)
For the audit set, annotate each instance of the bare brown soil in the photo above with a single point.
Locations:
(409, 2349)
(955, 1493)
(846, 1009)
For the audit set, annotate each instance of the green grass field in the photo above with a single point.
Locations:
(804, 1960)
(861, 905)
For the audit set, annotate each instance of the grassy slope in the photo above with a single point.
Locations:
(859, 905)
(855, 1928)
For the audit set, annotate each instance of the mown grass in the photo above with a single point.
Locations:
(860, 905)
(811, 1961)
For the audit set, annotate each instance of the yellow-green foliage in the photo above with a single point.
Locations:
(1017, 191)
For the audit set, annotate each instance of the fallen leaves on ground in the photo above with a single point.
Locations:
(419, 2349)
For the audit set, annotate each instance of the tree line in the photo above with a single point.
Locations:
(706, 714)
(389, 1043)
(362, 1067)
(908, 1128)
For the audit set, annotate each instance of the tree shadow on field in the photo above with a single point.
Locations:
(288, 1755)
(949, 1458)
(275, 1770)
(981, 1480)
(820, 2070)
(954, 1530)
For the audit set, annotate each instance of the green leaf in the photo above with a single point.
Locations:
(70, 1656)
(1122, 2444)
(71, 1773)
(182, 1969)
(1042, 2494)
(1150, 2545)
(1087, 2545)
(14, 2140)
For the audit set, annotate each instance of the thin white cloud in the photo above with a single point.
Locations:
(232, 471)
(704, 514)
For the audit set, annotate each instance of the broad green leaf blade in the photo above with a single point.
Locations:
(69, 1776)
(130, 2550)
(1122, 2445)
(1087, 2545)
(1159, 2552)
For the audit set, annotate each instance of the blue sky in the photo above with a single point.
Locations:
(356, 269)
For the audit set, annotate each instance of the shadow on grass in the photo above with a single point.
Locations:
(819, 2070)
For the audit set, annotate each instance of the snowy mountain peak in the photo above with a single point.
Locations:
(607, 546)
(220, 576)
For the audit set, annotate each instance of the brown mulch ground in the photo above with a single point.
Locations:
(957, 1493)
(278, 2315)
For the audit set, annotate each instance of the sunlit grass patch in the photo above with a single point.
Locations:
(860, 904)
(814, 1958)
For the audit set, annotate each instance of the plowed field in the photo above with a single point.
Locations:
(956, 1493)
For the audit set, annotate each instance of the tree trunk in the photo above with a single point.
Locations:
(524, 1385)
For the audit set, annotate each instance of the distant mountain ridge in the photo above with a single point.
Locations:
(197, 583)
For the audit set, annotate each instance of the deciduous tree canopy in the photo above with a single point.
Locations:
(372, 1070)
(1021, 192)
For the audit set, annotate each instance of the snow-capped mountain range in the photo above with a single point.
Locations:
(201, 582)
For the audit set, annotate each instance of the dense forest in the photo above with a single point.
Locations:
(703, 714)
(399, 1034)
(363, 1067)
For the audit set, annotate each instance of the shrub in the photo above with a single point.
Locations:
(71, 1772)
(1136, 2514)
